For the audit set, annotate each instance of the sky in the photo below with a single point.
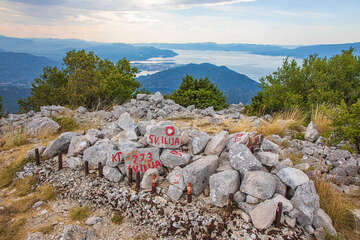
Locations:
(282, 22)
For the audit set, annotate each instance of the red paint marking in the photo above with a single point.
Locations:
(176, 153)
(116, 155)
(237, 137)
(169, 130)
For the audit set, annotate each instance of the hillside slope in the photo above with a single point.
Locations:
(21, 68)
(236, 87)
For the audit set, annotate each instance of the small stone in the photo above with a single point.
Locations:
(311, 133)
(221, 185)
(146, 182)
(217, 144)
(93, 220)
(268, 158)
(252, 200)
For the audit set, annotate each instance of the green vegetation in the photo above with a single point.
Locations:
(333, 84)
(79, 213)
(66, 124)
(347, 123)
(85, 80)
(199, 92)
(117, 218)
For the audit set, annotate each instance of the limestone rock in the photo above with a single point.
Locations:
(242, 159)
(112, 174)
(268, 158)
(146, 182)
(173, 158)
(217, 144)
(311, 133)
(199, 140)
(78, 144)
(269, 146)
(321, 219)
(41, 126)
(221, 185)
(100, 152)
(263, 215)
(198, 173)
(306, 201)
(258, 184)
(59, 145)
(292, 177)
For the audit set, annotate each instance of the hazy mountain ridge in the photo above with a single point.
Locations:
(21, 68)
(323, 50)
(56, 49)
(236, 87)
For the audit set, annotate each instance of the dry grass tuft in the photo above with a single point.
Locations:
(15, 137)
(337, 206)
(26, 185)
(295, 157)
(79, 213)
(322, 119)
(240, 126)
(8, 173)
(282, 122)
(142, 236)
(46, 229)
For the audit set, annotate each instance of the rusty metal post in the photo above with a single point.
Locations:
(86, 168)
(278, 215)
(60, 160)
(130, 176)
(189, 192)
(153, 185)
(230, 203)
(137, 181)
(100, 168)
(37, 156)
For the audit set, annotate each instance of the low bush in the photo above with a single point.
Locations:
(79, 213)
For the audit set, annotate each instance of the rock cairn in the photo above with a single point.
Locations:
(246, 166)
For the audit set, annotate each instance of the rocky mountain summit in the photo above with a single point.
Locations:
(142, 139)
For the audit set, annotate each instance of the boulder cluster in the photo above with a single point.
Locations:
(253, 170)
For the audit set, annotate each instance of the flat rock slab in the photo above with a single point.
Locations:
(217, 143)
(221, 185)
(292, 177)
(242, 159)
(198, 173)
(146, 182)
(173, 158)
(163, 136)
(258, 184)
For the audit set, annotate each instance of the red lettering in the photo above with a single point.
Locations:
(157, 164)
(142, 157)
(150, 157)
(151, 140)
(116, 155)
(135, 157)
(177, 142)
(144, 167)
(156, 140)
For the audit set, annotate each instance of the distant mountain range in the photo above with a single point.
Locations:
(21, 68)
(56, 49)
(326, 50)
(10, 95)
(236, 87)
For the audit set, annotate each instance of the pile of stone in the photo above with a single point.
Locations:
(145, 107)
(222, 164)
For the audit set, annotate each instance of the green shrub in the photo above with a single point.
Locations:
(317, 81)
(347, 123)
(85, 80)
(199, 92)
